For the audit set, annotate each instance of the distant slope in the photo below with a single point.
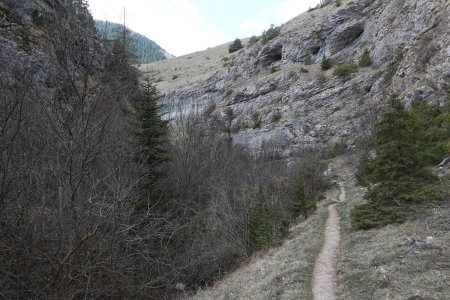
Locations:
(147, 51)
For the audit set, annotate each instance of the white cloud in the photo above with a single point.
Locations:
(175, 25)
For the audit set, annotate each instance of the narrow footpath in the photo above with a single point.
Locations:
(324, 276)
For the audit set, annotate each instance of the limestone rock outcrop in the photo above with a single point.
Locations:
(297, 104)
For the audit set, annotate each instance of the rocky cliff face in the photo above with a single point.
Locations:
(278, 94)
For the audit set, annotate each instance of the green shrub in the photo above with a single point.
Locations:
(256, 120)
(25, 43)
(209, 109)
(365, 60)
(326, 63)
(37, 18)
(375, 215)
(338, 148)
(253, 40)
(235, 46)
(276, 117)
(392, 68)
(338, 3)
(345, 69)
(228, 112)
(270, 33)
(303, 70)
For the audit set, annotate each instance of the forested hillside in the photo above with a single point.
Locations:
(145, 50)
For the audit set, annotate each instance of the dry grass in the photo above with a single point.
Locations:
(177, 72)
(386, 264)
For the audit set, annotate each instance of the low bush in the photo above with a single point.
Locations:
(270, 33)
(256, 119)
(276, 117)
(303, 70)
(345, 69)
(253, 40)
(326, 63)
(365, 60)
(235, 46)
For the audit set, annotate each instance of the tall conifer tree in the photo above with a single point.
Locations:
(151, 135)
(397, 172)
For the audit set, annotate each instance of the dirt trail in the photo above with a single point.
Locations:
(324, 276)
(287, 272)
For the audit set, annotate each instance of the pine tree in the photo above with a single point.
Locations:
(326, 63)
(260, 234)
(151, 134)
(307, 183)
(397, 172)
(301, 203)
(235, 46)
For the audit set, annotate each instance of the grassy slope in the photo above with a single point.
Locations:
(383, 264)
(177, 72)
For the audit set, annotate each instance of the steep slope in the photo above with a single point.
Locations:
(145, 49)
(65, 136)
(278, 94)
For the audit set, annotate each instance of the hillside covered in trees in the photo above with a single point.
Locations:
(145, 50)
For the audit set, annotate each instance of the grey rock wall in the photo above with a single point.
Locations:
(299, 105)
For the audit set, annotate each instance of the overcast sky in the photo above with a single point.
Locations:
(186, 26)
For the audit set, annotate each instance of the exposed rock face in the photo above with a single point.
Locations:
(297, 104)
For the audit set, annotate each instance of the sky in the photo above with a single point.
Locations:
(186, 26)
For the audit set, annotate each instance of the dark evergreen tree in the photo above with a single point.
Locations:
(397, 172)
(151, 135)
(235, 46)
(307, 183)
(326, 63)
(434, 141)
(259, 228)
(301, 203)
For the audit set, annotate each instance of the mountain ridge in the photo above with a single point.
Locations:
(145, 49)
